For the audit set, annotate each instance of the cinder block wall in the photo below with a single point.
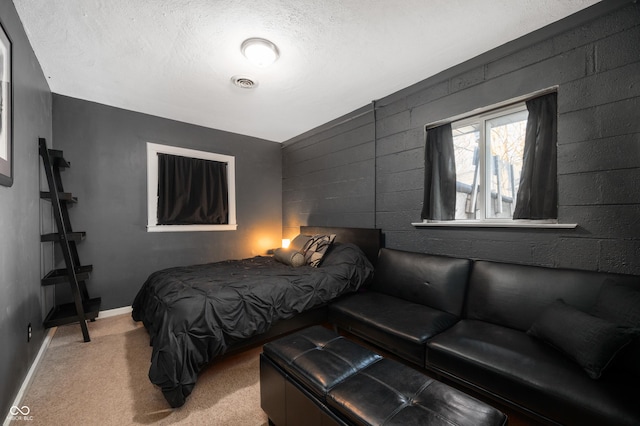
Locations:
(594, 60)
(328, 175)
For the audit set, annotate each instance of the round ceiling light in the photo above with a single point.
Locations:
(259, 51)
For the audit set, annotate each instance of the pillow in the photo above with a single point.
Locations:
(590, 341)
(620, 304)
(289, 257)
(299, 242)
(316, 247)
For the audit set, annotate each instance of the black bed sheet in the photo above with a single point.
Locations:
(192, 312)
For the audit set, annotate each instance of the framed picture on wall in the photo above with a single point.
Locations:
(6, 106)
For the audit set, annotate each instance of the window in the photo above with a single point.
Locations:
(495, 168)
(200, 216)
(488, 154)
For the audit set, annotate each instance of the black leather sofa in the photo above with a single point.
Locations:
(561, 345)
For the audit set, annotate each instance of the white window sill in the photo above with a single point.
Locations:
(190, 228)
(494, 224)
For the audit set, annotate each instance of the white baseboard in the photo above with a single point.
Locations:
(113, 312)
(43, 348)
(31, 373)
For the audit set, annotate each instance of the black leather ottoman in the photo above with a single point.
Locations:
(316, 377)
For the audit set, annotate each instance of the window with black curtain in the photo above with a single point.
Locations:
(440, 175)
(538, 193)
(448, 189)
(192, 191)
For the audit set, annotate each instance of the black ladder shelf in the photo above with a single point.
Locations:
(82, 308)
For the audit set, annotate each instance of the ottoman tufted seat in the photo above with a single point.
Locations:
(316, 376)
(319, 358)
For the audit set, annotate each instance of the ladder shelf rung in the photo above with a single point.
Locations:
(55, 237)
(58, 159)
(67, 314)
(63, 196)
(58, 276)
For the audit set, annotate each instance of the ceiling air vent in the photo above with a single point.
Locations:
(244, 82)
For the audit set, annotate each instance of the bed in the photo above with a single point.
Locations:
(197, 313)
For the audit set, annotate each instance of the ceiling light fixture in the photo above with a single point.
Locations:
(260, 51)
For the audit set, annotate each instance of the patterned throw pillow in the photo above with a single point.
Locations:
(316, 247)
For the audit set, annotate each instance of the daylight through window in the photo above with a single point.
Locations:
(488, 154)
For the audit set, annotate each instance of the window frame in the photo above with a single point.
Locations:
(153, 149)
(473, 116)
(484, 198)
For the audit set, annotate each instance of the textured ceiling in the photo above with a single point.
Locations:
(175, 58)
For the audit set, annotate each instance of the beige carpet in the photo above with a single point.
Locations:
(104, 382)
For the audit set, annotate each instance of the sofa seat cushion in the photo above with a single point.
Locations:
(399, 326)
(532, 374)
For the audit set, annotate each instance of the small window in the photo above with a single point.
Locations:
(497, 167)
(488, 154)
(189, 190)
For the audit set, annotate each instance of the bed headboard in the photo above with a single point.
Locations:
(369, 240)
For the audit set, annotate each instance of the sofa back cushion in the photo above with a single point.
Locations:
(620, 304)
(436, 281)
(515, 295)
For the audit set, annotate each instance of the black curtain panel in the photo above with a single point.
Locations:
(439, 175)
(191, 191)
(537, 196)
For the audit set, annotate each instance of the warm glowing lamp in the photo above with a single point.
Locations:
(285, 242)
(260, 51)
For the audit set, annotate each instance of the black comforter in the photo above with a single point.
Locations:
(193, 312)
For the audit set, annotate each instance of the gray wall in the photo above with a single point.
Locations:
(107, 150)
(328, 175)
(22, 299)
(596, 65)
